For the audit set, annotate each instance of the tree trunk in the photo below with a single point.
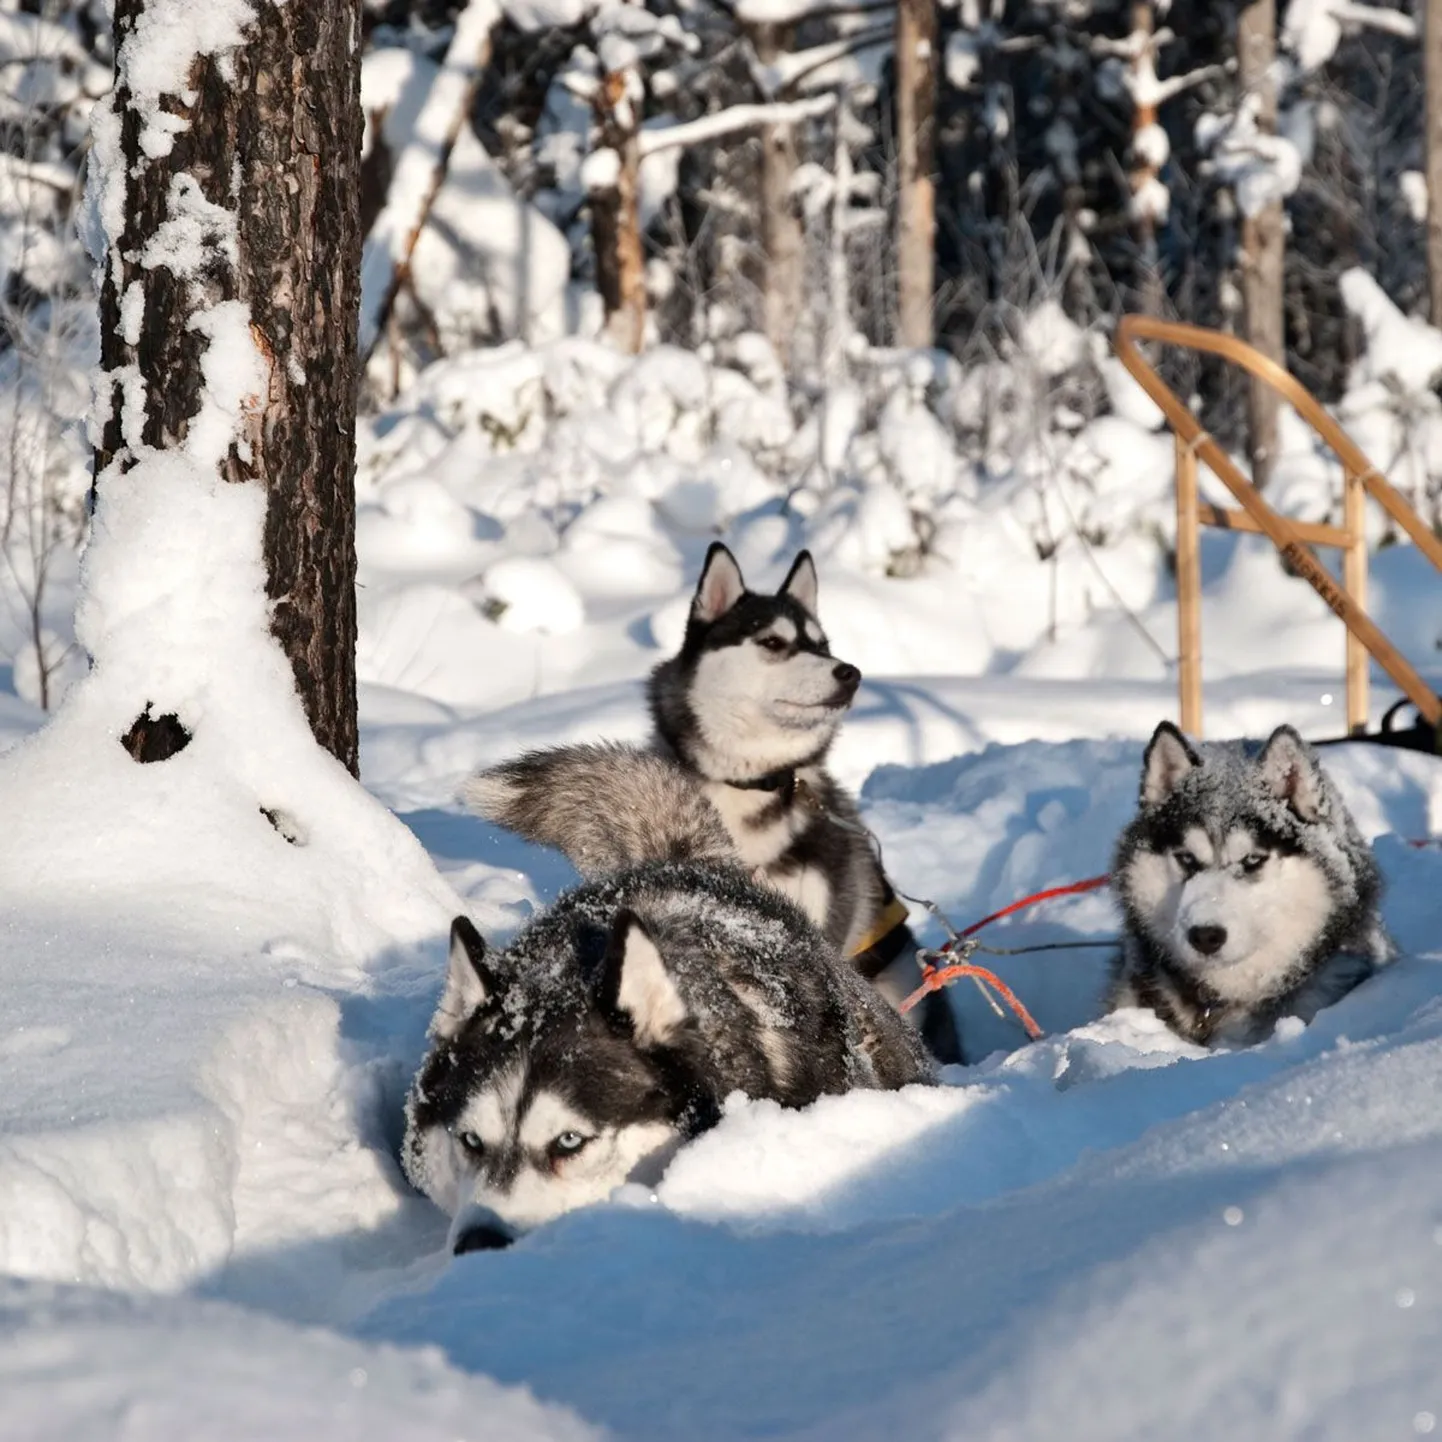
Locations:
(783, 238)
(271, 143)
(915, 163)
(1432, 69)
(1263, 242)
(615, 196)
(1148, 281)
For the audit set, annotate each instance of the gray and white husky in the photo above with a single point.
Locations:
(748, 709)
(1247, 891)
(611, 1029)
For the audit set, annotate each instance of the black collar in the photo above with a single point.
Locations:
(783, 781)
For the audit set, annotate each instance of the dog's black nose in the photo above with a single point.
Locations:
(1207, 939)
(482, 1239)
(847, 676)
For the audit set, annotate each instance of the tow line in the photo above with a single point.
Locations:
(950, 961)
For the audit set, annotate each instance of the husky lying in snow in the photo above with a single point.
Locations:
(612, 1028)
(748, 710)
(1248, 892)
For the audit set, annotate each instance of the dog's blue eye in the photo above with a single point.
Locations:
(472, 1143)
(568, 1144)
(1255, 861)
(1189, 863)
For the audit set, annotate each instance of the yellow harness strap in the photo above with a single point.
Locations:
(894, 915)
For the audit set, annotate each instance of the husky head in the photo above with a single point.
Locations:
(755, 687)
(1243, 869)
(537, 1099)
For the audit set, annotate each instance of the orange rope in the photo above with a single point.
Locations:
(933, 978)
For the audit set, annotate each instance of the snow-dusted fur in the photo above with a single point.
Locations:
(749, 706)
(1247, 890)
(611, 1030)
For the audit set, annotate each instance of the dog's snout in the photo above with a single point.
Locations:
(482, 1238)
(846, 675)
(1208, 940)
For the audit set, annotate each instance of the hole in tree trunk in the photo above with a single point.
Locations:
(155, 738)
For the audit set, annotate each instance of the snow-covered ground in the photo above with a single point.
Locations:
(1108, 1234)
(216, 971)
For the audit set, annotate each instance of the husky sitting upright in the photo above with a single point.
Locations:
(611, 1030)
(1248, 892)
(750, 706)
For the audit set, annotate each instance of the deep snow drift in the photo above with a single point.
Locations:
(1108, 1232)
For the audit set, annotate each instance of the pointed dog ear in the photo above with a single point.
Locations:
(800, 583)
(1290, 772)
(1169, 757)
(636, 986)
(470, 983)
(720, 586)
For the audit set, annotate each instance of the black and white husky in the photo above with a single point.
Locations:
(612, 1028)
(747, 709)
(1248, 892)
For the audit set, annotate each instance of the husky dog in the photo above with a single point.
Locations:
(1248, 892)
(746, 713)
(612, 1028)
(750, 706)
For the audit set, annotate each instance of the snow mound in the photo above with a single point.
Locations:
(185, 1368)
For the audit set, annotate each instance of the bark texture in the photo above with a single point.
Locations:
(616, 217)
(272, 134)
(915, 165)
(1263, 242)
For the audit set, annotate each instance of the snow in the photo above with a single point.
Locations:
(156, 60)
(1312, 29)
(975, 1256)
(216, 970)
(1262, 169)
(481, 251)
(1401, 351)
(191, 1368)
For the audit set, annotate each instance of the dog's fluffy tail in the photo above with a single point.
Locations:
(606, 807)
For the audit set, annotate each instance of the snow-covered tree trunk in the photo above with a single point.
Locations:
(613, 184)
(1263, 239)
(915, 150)
(783, 240)
(1432, 71)
(226, 177)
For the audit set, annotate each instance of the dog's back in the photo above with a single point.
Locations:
(614, 1027)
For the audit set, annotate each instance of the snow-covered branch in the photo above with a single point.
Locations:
(420, 171)
(733, 119)
(786, 72)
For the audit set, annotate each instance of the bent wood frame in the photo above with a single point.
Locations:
(1294, 539)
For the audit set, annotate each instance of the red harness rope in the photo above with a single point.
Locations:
(933, 977)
